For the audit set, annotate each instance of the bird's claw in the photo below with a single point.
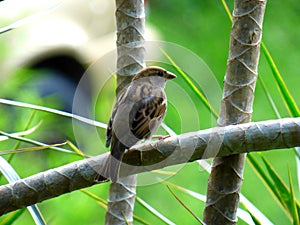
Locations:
(160, 137)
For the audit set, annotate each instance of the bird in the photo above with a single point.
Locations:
(137, 114)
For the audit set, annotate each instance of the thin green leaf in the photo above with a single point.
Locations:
(154, 211)
(186, 78)
(54, 111)
(37, 143)
(242, 214)
(185, 206)
(293, 202)
(17, 145)
(140, 219)
(253, 210)
(297, 152)
(261, 173)
(124, 216)
(12, 217)
(77, 150)
(281, 188)
(22, 133)
(30, 149)
(163, 172)
(290, 101)
(254, 219)
(19, 142)
(227, 9)
(266, 180)
(28, 19)
(269, 183)
(187, 191)
(103, 204)
(270, 99)
(36, 215)
(168, 129)
(93, 196)
(8, 171)
(205, 164)
(11, 176)
(296, 149)
(40, 146)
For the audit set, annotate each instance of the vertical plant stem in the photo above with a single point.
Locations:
(236, 107)
(130, 19)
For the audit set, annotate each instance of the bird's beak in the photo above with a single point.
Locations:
(171, 76)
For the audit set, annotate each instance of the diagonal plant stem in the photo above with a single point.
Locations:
(226, 178)
(237, 139)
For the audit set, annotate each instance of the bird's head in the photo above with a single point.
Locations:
(154, 71)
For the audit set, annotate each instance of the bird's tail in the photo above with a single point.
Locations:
(110, 171)
(112, 166)
(103, 175)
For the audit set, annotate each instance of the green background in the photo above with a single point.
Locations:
(204, 28)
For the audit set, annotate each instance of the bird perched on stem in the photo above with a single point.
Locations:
(138, 112)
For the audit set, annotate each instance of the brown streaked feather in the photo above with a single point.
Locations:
(109, 130)
(112, 166)
(146, 115)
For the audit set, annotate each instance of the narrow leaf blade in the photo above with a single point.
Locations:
(293, 202)
(186, 78)
(185, 206)
(280, 186)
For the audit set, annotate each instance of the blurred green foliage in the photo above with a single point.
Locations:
(204, 28)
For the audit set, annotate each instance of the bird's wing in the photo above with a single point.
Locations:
(146, 116)
(109, 130)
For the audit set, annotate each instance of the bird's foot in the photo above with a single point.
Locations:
(160, 137)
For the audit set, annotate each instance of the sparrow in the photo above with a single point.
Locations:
(137, 113)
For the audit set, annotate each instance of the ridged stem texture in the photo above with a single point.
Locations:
(233, 139)
(130, 19)
(226, 177)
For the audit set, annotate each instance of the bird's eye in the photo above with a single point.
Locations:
(160, 73)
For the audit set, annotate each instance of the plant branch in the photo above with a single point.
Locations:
(229, 140)
(226, 176)
(130, 21)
